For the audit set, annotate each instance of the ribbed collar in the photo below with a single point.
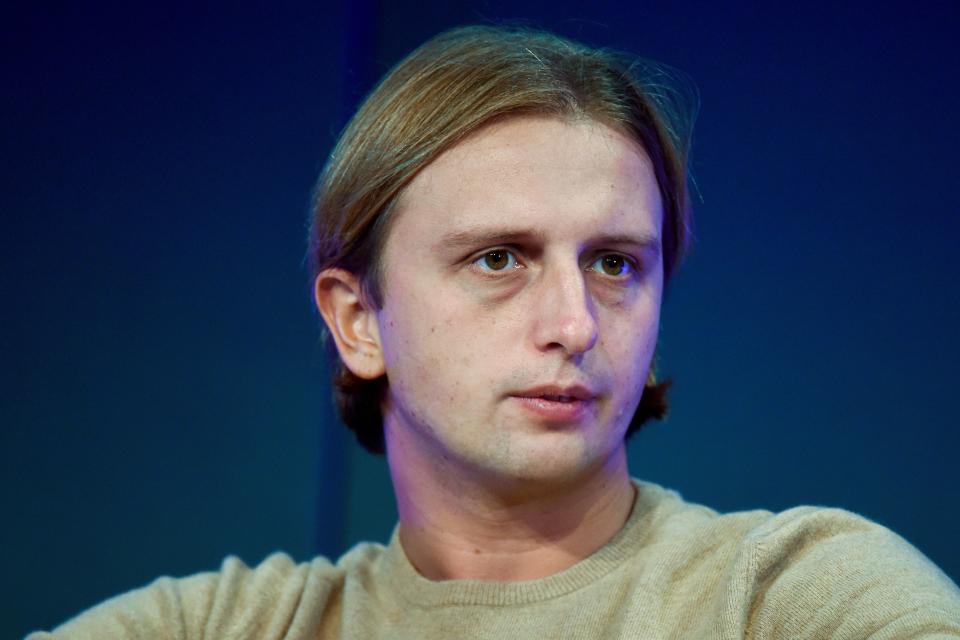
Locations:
(413, 589)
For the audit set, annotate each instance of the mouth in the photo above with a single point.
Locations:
(558, 392)
(554, 398)
(557, 404)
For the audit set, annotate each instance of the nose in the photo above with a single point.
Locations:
(565, 317)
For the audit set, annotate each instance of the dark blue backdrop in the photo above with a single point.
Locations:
(164, 396)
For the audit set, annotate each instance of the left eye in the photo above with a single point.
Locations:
(611, 264)
(496, 260)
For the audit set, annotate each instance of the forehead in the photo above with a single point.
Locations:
(539, 174)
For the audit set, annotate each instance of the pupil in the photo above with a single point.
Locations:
(497, 260)
(613, 265)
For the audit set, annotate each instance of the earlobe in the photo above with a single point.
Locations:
(352, 322)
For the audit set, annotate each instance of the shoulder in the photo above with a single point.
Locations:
(814, 569)
(806, 534)
(808, 572)
(811, 544)
(237, 601)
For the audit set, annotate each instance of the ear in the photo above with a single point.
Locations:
(352, 321)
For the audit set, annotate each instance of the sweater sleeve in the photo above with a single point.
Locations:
(236, 602)
(827, 573)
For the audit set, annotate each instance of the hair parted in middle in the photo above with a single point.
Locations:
(447, 89)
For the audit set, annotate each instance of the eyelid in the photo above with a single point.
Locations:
(632, 263)
(480, 255)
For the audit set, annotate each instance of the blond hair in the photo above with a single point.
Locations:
(442, 92)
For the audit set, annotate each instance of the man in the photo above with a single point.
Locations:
(491, 239)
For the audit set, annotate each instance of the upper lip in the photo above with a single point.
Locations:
(576, 391)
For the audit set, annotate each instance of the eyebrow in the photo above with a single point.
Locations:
(470, 238)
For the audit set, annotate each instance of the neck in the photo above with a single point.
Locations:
(470, 530)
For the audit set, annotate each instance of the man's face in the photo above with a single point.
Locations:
(522, 290)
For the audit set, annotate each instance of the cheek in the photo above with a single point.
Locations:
(630, 351)
(629, 346)
(426, 350)
(632, 332)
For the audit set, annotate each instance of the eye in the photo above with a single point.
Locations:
(612, 264)
(496, 260)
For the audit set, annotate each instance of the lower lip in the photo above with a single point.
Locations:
(554, 410)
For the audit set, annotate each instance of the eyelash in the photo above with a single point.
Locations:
(629, 264)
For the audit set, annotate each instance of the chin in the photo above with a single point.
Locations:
(547, 463)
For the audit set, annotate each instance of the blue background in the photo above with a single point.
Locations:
(164, 398)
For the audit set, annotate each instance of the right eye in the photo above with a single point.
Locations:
(496, 260)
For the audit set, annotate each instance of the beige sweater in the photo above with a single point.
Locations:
(676, 570)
